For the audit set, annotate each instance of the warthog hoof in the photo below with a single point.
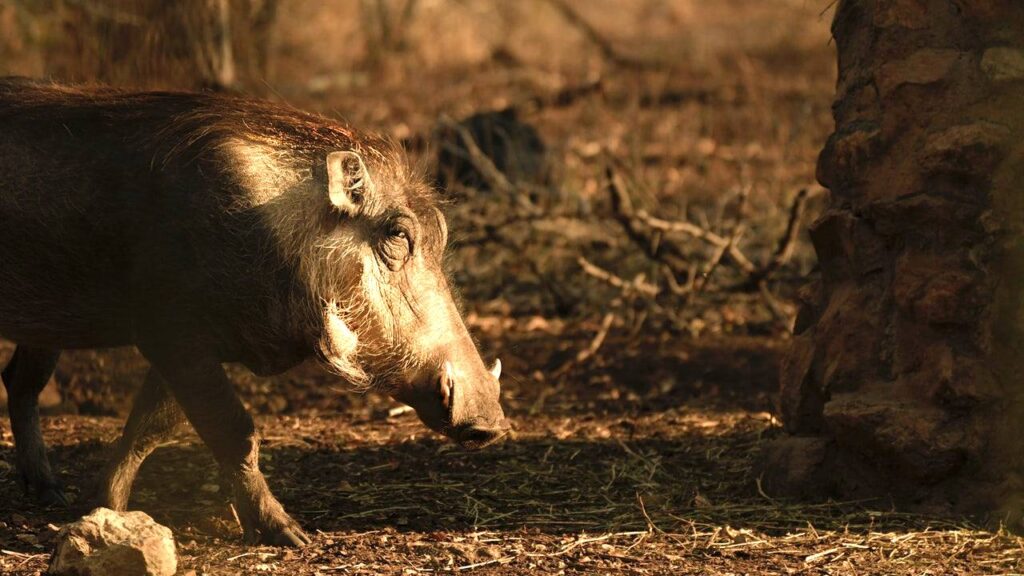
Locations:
(45, 492)
(264, 521)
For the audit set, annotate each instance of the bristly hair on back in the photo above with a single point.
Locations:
(186, 123)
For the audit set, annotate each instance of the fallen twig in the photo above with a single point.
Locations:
(585, 354)
(690, 229)
(784, 250)
(638, 284)
(652, 234)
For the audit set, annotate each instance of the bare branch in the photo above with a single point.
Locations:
(496, 179)
(563, 98)
(651, 242)
(637, 285)
(608, 51)
(653, 235)
(733, 239)
(784, 250)
(643, 229)
(586, 353)
(690, 229)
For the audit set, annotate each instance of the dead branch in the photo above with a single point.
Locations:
(563, 98)
(622, 208)
(586, 353)
(712, 265)
(608, 51)
(732, 239)
(783, 312)
(674, 286)
(638, 285)
(654, 236)
(703, 234)
(784, 250)
(495, 178)
(649, 232)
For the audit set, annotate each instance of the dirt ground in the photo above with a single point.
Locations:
(640, 458)
(640, 464)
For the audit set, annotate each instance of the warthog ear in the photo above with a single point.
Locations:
(348, 181)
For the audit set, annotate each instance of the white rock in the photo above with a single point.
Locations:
(109, 543)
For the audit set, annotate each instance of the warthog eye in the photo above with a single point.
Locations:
(396, 247)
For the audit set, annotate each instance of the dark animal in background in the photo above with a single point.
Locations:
(206, 229)
(513, 146)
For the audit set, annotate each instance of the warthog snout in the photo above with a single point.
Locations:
(462, 404)
(480, 435)
(470, 398)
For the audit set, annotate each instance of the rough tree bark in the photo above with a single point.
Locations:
(906, 373)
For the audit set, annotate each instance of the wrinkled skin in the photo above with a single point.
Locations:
(206, 230)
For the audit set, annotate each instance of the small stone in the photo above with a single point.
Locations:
(109, 543)
(210, 488)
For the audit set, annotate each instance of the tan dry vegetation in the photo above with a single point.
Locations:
(638, 422)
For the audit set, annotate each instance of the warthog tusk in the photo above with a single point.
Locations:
(496, 369)
(448, 384)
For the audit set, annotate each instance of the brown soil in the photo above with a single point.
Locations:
(639, 463)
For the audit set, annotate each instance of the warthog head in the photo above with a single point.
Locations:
(387, 316)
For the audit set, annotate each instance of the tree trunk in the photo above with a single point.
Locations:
(906, 373)
(201, 44)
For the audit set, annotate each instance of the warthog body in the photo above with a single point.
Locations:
(205, 230)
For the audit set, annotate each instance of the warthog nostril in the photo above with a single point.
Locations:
(480, 436)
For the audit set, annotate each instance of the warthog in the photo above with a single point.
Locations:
(204, 229)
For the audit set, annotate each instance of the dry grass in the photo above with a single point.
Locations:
(665, 492)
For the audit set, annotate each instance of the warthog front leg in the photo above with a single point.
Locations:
(25, 376)
(218, 416)
(154, 420)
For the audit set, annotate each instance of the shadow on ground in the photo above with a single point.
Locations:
(640, 459)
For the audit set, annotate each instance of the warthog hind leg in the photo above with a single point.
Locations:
(154, 420)
(25, 376)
